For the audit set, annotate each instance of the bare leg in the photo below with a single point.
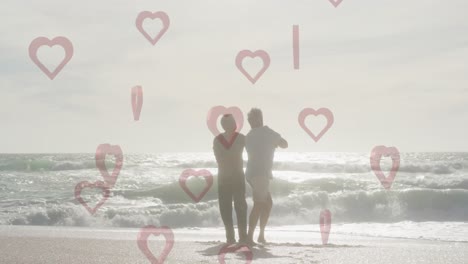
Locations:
(264, 215)
(225, 207)
(253, 219)
(241, 212)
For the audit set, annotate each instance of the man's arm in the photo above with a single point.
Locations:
(278, 140)
(283, 143)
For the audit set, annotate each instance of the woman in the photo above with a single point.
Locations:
(228, 148)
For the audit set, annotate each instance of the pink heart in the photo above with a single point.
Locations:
(235, 249)
(376, 157)
(335, 3)
(142, 242)
(215, 113)
(43, 41)
(247, 53)
(325, 225)
(137, 101)
(201, 173)
(322, 111)
(85, 184)
(101, 152)
(146, 14)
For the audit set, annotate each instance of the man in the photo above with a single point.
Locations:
(228, 148)
(260, 144)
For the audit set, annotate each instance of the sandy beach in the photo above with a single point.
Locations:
(31, 244)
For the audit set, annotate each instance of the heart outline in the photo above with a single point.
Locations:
(247, 53)
(147, 14)
(325, 225)
(98, 184)
(335, 3)
(137, 101)
(212, 117)
(193, 173)
(235, 249)
(38, 42)
(375, 159)
(310, 111)
(101, 152)
(142, 242)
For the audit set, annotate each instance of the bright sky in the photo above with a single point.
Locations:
(393, 73)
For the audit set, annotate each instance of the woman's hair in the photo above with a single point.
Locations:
(228, 120)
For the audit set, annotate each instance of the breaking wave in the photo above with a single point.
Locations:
(169, 205)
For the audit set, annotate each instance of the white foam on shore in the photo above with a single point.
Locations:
(298, 234)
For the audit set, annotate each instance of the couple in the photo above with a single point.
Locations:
(260, 144)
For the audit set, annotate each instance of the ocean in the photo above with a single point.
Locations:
(428, 199)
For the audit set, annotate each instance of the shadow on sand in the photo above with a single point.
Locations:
(263, 252)
(257, 251)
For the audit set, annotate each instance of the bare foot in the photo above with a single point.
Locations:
(250, 243)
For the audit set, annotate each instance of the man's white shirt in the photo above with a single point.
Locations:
(260, 144)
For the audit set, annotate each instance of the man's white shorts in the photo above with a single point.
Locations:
(260, 188)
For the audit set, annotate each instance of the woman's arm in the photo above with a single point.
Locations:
(216, 150)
